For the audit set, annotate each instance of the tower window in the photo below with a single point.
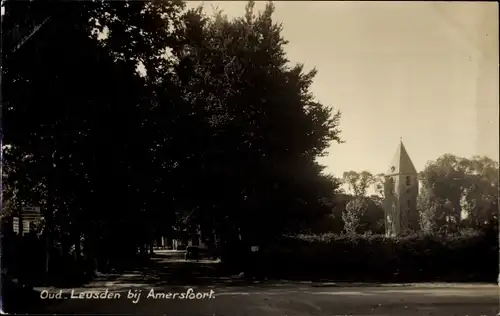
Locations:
(408, 180)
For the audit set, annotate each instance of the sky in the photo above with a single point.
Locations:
(423, 72)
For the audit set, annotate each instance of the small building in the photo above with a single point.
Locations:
(184, 239)
(179, 244)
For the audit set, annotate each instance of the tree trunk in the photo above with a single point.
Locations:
(142, 249)
(78, 247)
(458, 212)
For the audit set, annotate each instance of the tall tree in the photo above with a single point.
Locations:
(94, 129)
(258, 176)
(378, 181)
(200, 132)
(358, 182)
(362, 213)
(459, 191)
(480, 196)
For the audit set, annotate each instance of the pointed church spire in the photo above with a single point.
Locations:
(401, 163)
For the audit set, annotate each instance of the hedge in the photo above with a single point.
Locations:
(415, 258)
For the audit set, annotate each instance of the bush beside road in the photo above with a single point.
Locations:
(414, 258)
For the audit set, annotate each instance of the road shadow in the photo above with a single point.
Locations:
(176, 271)
(165, 270)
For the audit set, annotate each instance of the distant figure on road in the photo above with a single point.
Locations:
(192, 253)
(213, 251)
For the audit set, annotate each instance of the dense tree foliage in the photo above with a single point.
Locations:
(131, 116)
(362, 213)
(358, 182)
(77, 107)
(459, 192)
(256, 172)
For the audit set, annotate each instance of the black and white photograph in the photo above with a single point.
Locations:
(249, 158)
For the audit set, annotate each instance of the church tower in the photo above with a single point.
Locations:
(400, 191)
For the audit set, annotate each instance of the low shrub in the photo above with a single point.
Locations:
(371, 258)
